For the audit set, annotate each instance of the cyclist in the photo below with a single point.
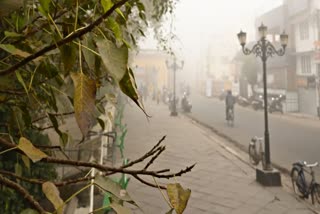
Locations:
(230, 101)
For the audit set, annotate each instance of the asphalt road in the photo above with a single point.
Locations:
(291, 138)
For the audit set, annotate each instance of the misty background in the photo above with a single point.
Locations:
(209, 27)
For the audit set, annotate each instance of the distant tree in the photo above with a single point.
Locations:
(249, 70)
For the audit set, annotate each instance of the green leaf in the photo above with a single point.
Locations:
(32, 152)
(115, 27)
(68, 57)
(84, 101)
(120, 13)
(53, 195)
(128, 86)
(178, 197)
(113, 187)
(106, 4)
(29, 211)
(89, 56)
(64, 138)
(21, 81)
(115, 59)
(13, 50)
(44, 6)
(12, 34)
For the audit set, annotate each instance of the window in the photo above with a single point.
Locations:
(305, 65)
(304, 30)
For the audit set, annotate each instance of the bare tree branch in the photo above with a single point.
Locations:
(23, 192)
(148, 154)
(109, 170)
(154, 157)
(76, 34)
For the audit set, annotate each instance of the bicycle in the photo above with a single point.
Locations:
(230, 117)
(256, 152)
(300, 183)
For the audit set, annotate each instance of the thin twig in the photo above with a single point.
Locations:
(154, 157)
(147, 183)
(58, 114)
(148, 154)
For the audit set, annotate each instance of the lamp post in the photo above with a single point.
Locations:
(174, 66)
(264, 49)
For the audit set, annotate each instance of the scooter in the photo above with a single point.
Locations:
(185, 104)
(258, 103)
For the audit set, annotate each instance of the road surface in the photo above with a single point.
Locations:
(291, 138)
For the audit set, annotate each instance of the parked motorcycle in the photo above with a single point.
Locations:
(242, 101)
(185, 103)
(257, 103)
(276, 104)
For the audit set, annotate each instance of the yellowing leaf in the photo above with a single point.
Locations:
(53, 195)
(12, 34)
(18, 169)
(115, 59)
(13, 50)
(178, 197)
(29, 211)
(32, 152)
(26, 161)
(84, 101)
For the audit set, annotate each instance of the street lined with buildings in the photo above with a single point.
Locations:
(221, 182)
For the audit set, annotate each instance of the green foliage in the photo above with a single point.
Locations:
(10, 201)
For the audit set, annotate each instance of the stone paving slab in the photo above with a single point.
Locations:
(220, 183)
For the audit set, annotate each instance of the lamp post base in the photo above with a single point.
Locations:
(268, 177)
(174, 113)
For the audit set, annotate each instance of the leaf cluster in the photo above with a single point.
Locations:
(56, 57)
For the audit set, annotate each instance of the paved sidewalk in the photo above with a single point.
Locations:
(220, 182)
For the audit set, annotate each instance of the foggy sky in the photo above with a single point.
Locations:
(213, 24)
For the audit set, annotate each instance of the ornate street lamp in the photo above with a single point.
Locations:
(174, 66)
(264, 49)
